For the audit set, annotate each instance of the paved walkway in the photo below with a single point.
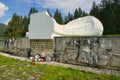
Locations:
(84, 68)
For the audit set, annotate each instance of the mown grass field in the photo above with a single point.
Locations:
(13, 69)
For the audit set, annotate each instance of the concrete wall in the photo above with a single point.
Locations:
(92, 51)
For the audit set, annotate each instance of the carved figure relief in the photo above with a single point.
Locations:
(88, 50)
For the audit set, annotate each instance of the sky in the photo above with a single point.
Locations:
(22, 7)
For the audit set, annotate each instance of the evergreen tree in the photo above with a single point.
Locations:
(68, 18)
(103, 3)
(76, 14)
(84, 14)
(108, 13)
(117, 2)
(95, 10)
(25, 23)
(108, 17)
(2, 29)
(116, 14)
(14, 28)
(58, 17)
(80, 12)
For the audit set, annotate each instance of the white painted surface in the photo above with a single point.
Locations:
(85, 26)
(42, 26)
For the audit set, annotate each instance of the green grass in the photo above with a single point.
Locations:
(13, 69)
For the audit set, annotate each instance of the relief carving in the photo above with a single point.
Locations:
(89, 50)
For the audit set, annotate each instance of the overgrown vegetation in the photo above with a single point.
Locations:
(13, 69)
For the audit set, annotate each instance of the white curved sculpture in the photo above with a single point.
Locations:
(42, 26)
(85, 26)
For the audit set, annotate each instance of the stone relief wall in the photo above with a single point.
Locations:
(21, 46)
(97, 51)
(92, 51)
(16, 46)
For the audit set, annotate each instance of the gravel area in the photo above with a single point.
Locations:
(83, 68)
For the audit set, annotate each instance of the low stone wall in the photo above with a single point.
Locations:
(92, 51)
(15, 46)
(42, 46)
(21, 46)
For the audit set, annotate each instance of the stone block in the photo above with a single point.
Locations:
(115, 61)
(102, 60)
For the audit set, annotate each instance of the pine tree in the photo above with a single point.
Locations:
(58, 17)
(103, 3)
(76, 14)
(79, 12)
(14, 28)
(84, 14)
(66, 20)
(108, 13)
(95, 10)
(25, 23)
(70, 17)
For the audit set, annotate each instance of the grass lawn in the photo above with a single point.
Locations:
(13, 69)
